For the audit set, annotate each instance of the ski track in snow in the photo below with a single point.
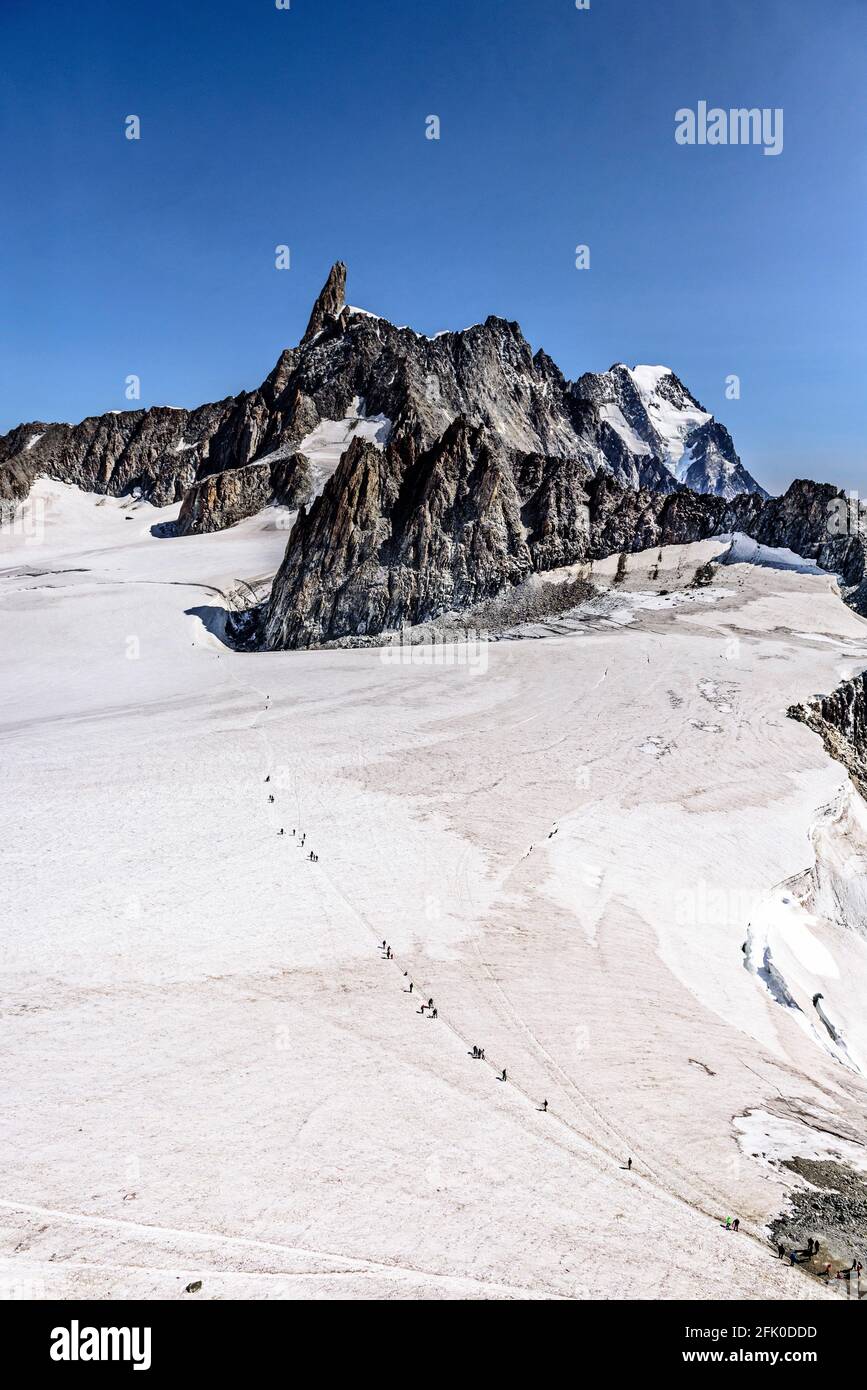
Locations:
(349, 1263)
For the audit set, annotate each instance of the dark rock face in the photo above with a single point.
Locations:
(399, 537)
(799, 519)
(555, 509)
(715, 466)
(291, 480)
(840, 720)
(635, 426)
(222, 499)
(16, 480)
(155, 452)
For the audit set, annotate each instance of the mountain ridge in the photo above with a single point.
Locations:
(487, 373)
(398, 538)
(426, 475)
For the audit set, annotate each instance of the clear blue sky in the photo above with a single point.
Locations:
(306, 127)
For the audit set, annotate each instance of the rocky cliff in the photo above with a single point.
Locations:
(840, 720)
(221, 499)
(399, 536)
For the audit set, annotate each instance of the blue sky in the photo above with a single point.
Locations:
(307, 127)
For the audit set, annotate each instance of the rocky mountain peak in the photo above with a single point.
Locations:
(356, 374)
(328, 311)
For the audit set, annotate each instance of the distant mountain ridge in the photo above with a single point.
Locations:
(642, 425)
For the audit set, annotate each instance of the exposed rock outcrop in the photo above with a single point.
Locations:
(328, 311)
(16, 480)
(399, 537)
(840, 720)
(831, 1207)
(222, 499)
(156, 453)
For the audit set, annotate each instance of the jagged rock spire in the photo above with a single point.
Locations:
(329, 306)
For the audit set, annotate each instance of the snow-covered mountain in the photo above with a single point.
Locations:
(657, 418)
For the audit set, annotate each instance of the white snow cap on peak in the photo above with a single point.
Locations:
(648, 378)
(673, 419)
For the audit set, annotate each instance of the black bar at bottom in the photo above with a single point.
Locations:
(160, 1339)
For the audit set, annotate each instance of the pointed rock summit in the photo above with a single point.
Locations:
(329, 307)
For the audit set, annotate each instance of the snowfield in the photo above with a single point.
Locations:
(580, 849)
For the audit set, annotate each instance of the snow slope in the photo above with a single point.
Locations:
(613, 416)
(325, 444)
(210, 1069)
